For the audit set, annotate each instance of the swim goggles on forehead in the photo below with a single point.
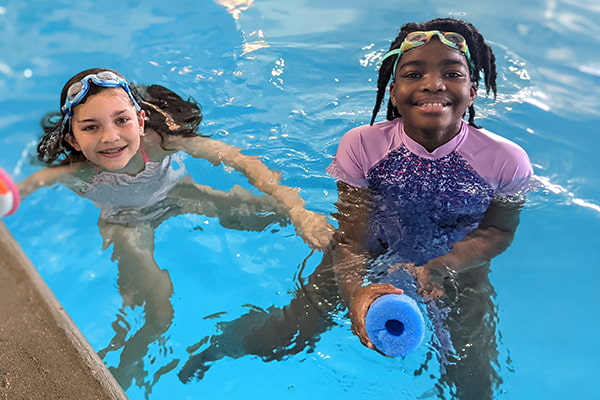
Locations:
(418, 38)
(78, 90)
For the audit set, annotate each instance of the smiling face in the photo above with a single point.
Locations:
(432, 91)
(107, 130)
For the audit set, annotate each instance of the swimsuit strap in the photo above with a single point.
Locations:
(144, 155)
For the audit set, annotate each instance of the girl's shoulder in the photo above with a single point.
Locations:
(500, 161)
(384, 133)
(489, 141)
(361, 148)
(77, 172)
(157, 148)
(373, 141)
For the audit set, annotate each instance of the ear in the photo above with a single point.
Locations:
(392, 86)
(70, 138)
(472, 94)
(142, 121)
(392, 97)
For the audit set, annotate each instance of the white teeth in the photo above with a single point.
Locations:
(112, 151)
(431, 105)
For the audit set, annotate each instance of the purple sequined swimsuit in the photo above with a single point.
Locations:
(423, 202)
(422, 206)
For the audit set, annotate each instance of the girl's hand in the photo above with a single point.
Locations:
(312, 227)
(429, 278)
(359, 303)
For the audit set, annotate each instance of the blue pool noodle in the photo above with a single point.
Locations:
(395, 324)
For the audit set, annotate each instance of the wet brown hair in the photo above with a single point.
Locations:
(166, 112)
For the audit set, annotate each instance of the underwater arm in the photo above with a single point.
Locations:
(313, 228)
(351, 257)
(492, 237)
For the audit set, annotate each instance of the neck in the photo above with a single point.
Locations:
(431, 139)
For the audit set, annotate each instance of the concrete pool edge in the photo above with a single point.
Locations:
(42, 353)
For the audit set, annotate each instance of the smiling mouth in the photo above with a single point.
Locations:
(433, 105)
(113, 151)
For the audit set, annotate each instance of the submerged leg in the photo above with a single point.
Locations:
(277, 332)
(141, 283)
(472, 324)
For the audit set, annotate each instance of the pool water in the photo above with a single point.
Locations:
(285, 80)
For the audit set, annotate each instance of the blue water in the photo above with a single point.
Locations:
(285, 80)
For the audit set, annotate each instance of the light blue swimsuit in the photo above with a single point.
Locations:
(120, 197)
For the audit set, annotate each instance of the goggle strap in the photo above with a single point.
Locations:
(389, 54)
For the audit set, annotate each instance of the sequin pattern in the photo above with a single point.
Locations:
(422, 206)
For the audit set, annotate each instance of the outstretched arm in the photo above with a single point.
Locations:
(313, 228)
(491, 238)
(47, 177)
(351, 257)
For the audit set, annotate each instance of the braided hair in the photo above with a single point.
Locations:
(166, 112)
(481, 53)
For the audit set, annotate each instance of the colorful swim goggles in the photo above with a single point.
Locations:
(419, 38)
(78, 90)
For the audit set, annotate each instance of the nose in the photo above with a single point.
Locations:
(109, 135)
(433, 83)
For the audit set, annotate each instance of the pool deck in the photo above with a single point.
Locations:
(43, 355)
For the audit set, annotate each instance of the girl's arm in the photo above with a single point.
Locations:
(47, 177)
(351, 257)
(491, 238)
(313, 228)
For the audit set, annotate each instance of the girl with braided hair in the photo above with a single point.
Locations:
(435, 195)
(424, 192)
(481, 59)
(115, 143)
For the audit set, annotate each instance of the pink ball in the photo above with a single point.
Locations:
(9, 195)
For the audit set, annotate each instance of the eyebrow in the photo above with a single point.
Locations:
(113, 115)
(118, 112)
(444, 62)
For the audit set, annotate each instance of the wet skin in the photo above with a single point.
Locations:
(107, 129)
(432, 91)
